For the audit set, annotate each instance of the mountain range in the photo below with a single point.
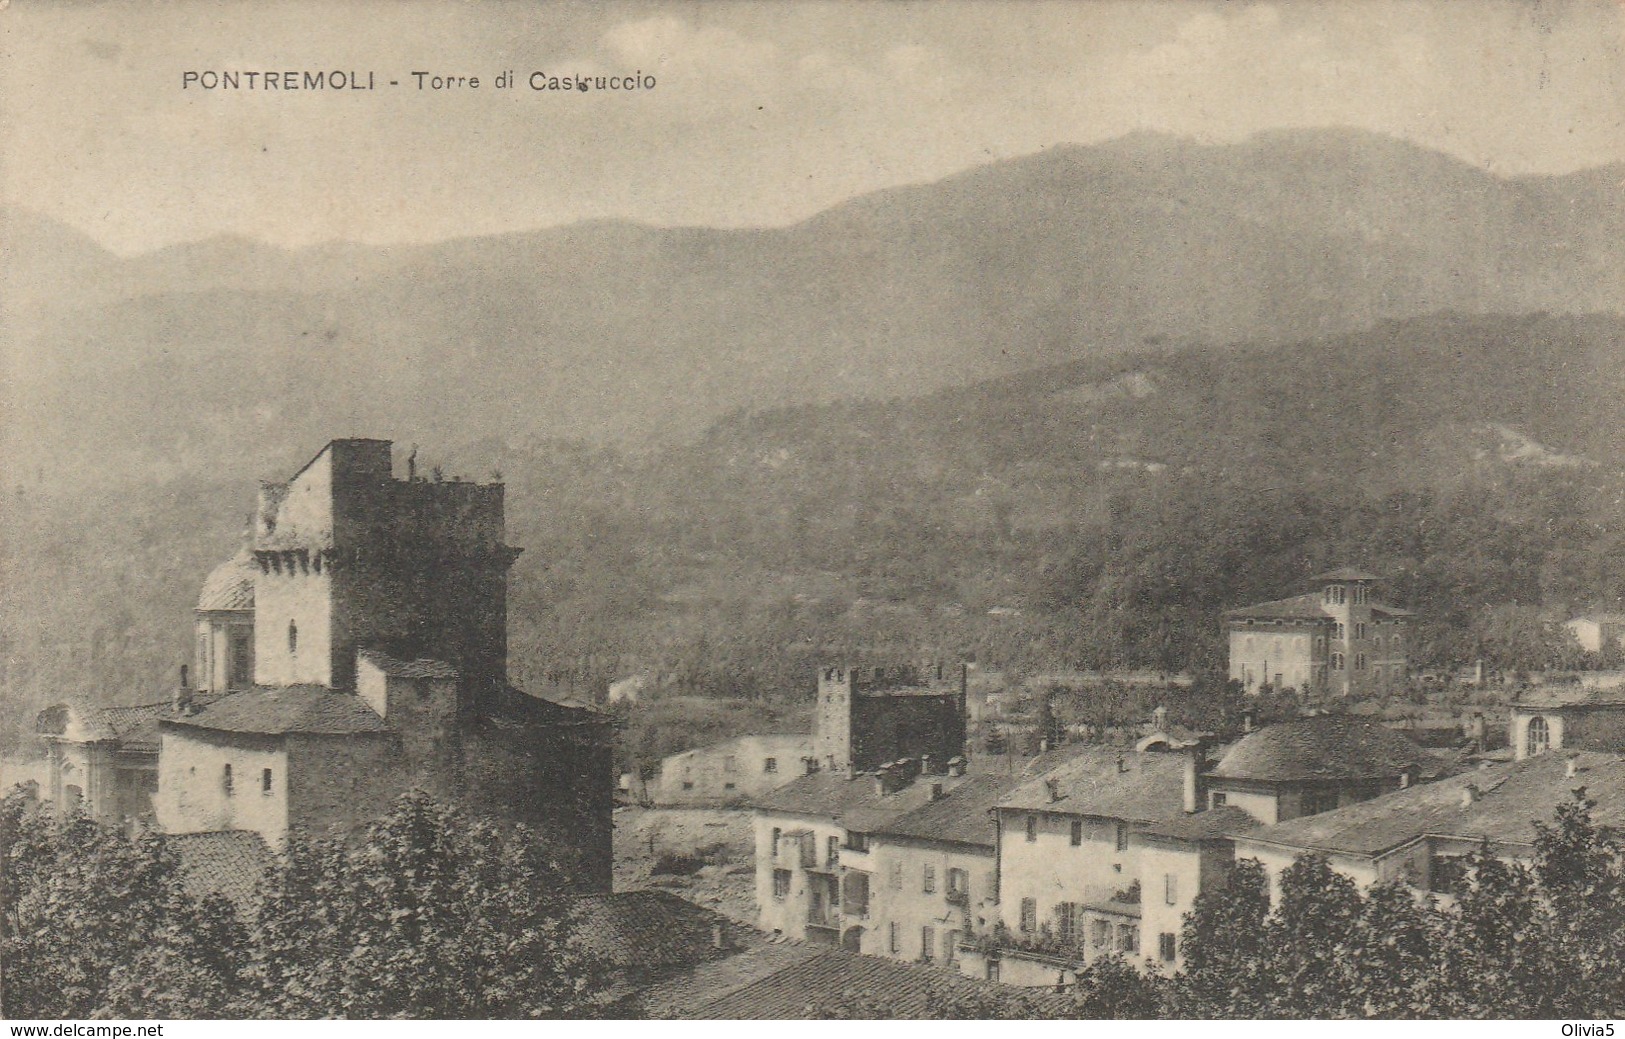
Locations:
(220, 355)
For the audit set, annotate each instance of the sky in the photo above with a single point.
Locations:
(761, 113)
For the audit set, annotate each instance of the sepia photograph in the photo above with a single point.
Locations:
(811, 510)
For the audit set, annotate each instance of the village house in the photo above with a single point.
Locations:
(1571, 717)
(1337, 640)
(734, 771)
(1070, 883)
(1313, 765)
(1421, 836)
(1596, 631)
(372, 614)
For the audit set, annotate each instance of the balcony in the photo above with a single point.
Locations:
(958, 898)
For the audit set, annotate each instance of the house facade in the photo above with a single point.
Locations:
(732, 772)
(1314, 765)
(1336, 641)
(1550, 718)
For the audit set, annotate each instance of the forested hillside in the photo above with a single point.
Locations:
(1097, 513)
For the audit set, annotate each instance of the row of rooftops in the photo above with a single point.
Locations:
(1498, 802)
(1109, 782)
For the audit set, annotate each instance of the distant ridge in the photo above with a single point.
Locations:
(623, 333)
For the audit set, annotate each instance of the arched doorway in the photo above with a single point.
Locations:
(1538, 738)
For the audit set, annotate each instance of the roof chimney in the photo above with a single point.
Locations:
(1054, 788)
(719, 935)
(1122, 763)
(1159, 718)
(1571, 768)
(1470, 795)
(956, 766)
(1248, 720)
(182, 702)
(926, 763)
(1189, 787)
(936, 792)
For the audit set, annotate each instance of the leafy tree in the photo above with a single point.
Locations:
(1225, 947)
(1112, 988)
(432, 915)
(97, 921)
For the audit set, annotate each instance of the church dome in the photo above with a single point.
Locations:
(230, 585)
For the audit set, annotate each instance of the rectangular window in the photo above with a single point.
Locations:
(1068, 915)
(1032, 828)
(857, 841)
(1359, 661)
(1170, 889)
(832, 851)
(777, 833)
(1128, 939)
(897, 876)
(781, 883)
(730, 764)
(992, 970)
(1218, 800)
(770, 765)
(950, 946)
(1101, 934)
(1077, 832)
(929, 885)
(1122, 836)
(265, 781)
(1029, 915)
(225, 780)
(958, 881)
(891, 938)
(1165, 946)
(928, 943)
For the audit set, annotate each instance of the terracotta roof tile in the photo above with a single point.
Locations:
(275, 710)
(230, 586)
(900, 990)
(1299, 607)
(421, 668)
(225, 862)
(1147, 786)
(1513, 795)
(1326, 747)
(646, 930)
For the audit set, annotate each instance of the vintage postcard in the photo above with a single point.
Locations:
(812, 510)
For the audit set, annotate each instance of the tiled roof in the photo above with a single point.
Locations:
(685, 993)
(225, 862)
(1326, 747)
(1212, 824)
(1570, 696)
(1299, 607)
(1513, 796)
(1109, 783)
(274, 710)
(646, 930)
(1347, 573)
(134, 728)
(230, 586)
(854, 803)
(518, 705)
(899, 991)
(422, 668)
(963, 815)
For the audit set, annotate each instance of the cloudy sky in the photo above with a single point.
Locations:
(762, 113)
